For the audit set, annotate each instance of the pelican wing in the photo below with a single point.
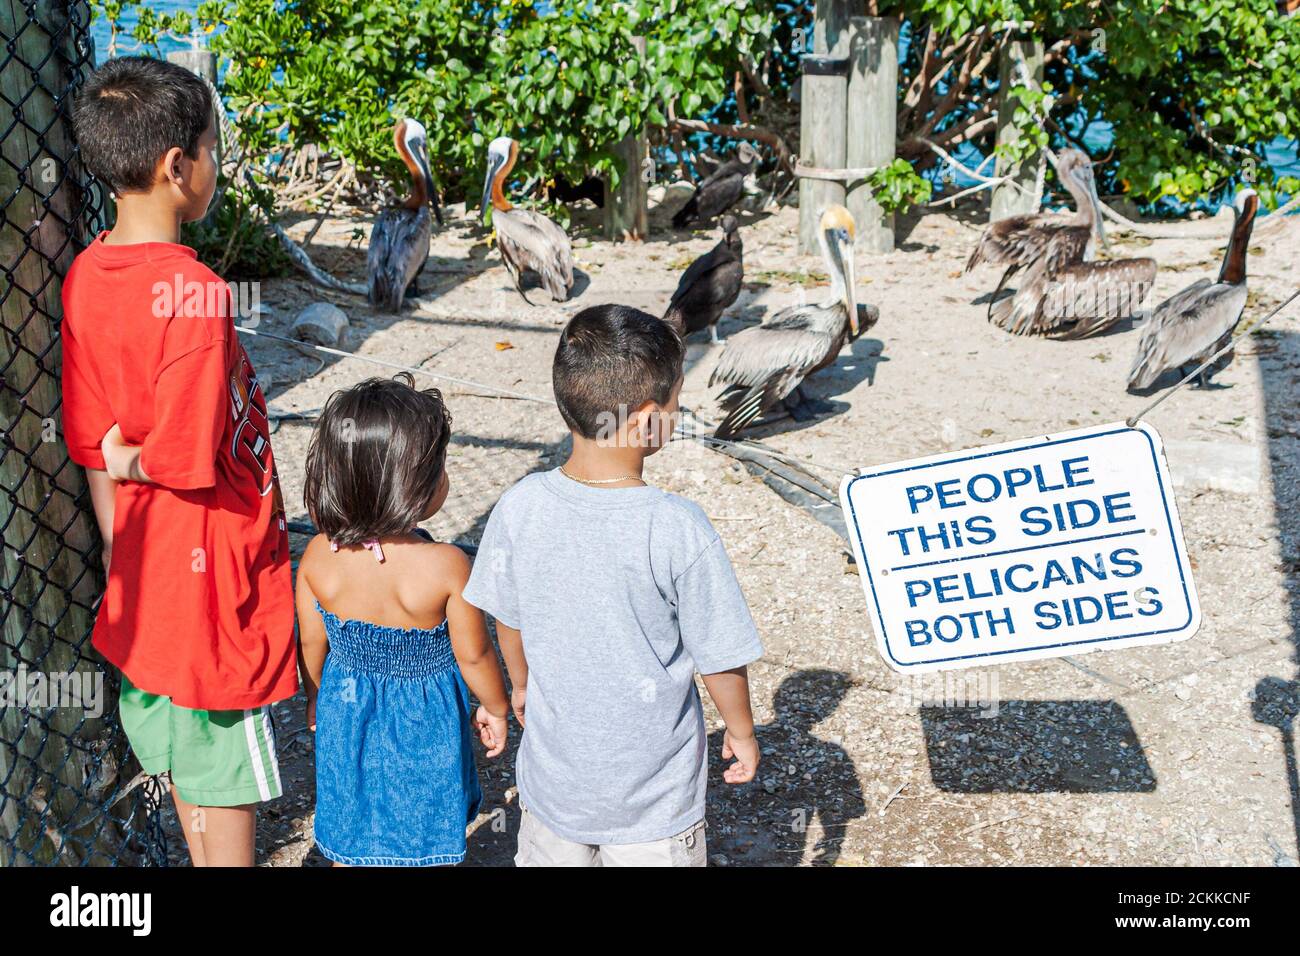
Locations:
(1186, 327)
(1089, 297)
(399, 246)
(756, 354)
(1022, 312)
(531, 242)
(1022, 240)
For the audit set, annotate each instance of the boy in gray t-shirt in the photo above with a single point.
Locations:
(609, 595)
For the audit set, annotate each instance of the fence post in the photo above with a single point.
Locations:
(204, 63)
(61, 767)
(872, 128)
(627, 208)
(1021, 62)
(822, 106)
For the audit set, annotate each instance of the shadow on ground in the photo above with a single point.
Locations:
(1036, 746)
(1276, 699)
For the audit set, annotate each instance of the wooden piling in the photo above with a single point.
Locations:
(627, 208)
(204, 63)
(822, 107)
(1022, 57)
(872, 122)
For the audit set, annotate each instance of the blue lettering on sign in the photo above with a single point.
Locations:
(1078, 589)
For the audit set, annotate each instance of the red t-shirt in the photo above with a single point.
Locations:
(199, 605)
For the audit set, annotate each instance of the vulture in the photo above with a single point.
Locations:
(709, 285)
(720, 190)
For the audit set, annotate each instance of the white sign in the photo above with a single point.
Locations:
(1054, 545)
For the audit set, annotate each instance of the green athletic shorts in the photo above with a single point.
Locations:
(217, 758)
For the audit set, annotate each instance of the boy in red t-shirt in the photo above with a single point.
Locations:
(163, 410)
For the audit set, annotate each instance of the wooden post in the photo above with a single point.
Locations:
(627, 208)
(872, 122)
(822, 106)
(1021, 61)
(204, 63)
(57, 767)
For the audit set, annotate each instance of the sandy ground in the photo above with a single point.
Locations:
(1166, 755)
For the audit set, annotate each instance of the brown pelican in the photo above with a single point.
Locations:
(720, 189)
(399, 243)
(765, 365)
(1063, 293)
(529, 242)
(1190, 326)
(709, 285)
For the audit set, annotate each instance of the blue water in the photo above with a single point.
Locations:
(1282, 154)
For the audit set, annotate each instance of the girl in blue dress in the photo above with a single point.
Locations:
(388, 644)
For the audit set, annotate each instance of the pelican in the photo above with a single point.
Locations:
(529, 242)
(1191, 325)
(1063, 294)
(765, 365)
(709, 285)
(720, 189)
(399, 243)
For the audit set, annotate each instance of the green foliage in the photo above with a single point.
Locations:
(1193, 88)
(897, 187)
(564, 79)
(234, 239)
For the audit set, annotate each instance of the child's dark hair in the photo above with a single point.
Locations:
(376, 459)
(611, 356)
(131, 111)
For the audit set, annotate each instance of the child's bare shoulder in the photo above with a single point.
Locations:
(316, 549)
(446, 561)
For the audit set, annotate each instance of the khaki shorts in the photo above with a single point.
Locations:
(538, 846)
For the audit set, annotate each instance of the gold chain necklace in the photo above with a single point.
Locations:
(600, 481)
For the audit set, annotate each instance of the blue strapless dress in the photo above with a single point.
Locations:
(396, 783)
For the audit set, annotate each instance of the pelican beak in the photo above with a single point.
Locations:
(1098, 218)
(430, 190)
(494, 166)
(840, 243)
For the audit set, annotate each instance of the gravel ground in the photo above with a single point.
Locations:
(1166, 755)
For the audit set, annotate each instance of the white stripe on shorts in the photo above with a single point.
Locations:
(269, 729)
(259, 768)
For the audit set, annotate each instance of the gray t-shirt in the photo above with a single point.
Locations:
(621, 595)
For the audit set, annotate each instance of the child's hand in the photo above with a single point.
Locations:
(311, 713)
(121, 461)
(745, 750)
(492, 730)
(517, 696)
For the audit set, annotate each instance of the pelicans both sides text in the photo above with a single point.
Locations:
(1049, 546)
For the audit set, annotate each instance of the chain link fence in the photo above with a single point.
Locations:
(70, 794)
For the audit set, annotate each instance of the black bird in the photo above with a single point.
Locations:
(710, 285)
(1191, 325)
(561, 190)
(720, 190)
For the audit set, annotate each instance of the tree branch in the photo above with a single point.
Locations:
(759, 134)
